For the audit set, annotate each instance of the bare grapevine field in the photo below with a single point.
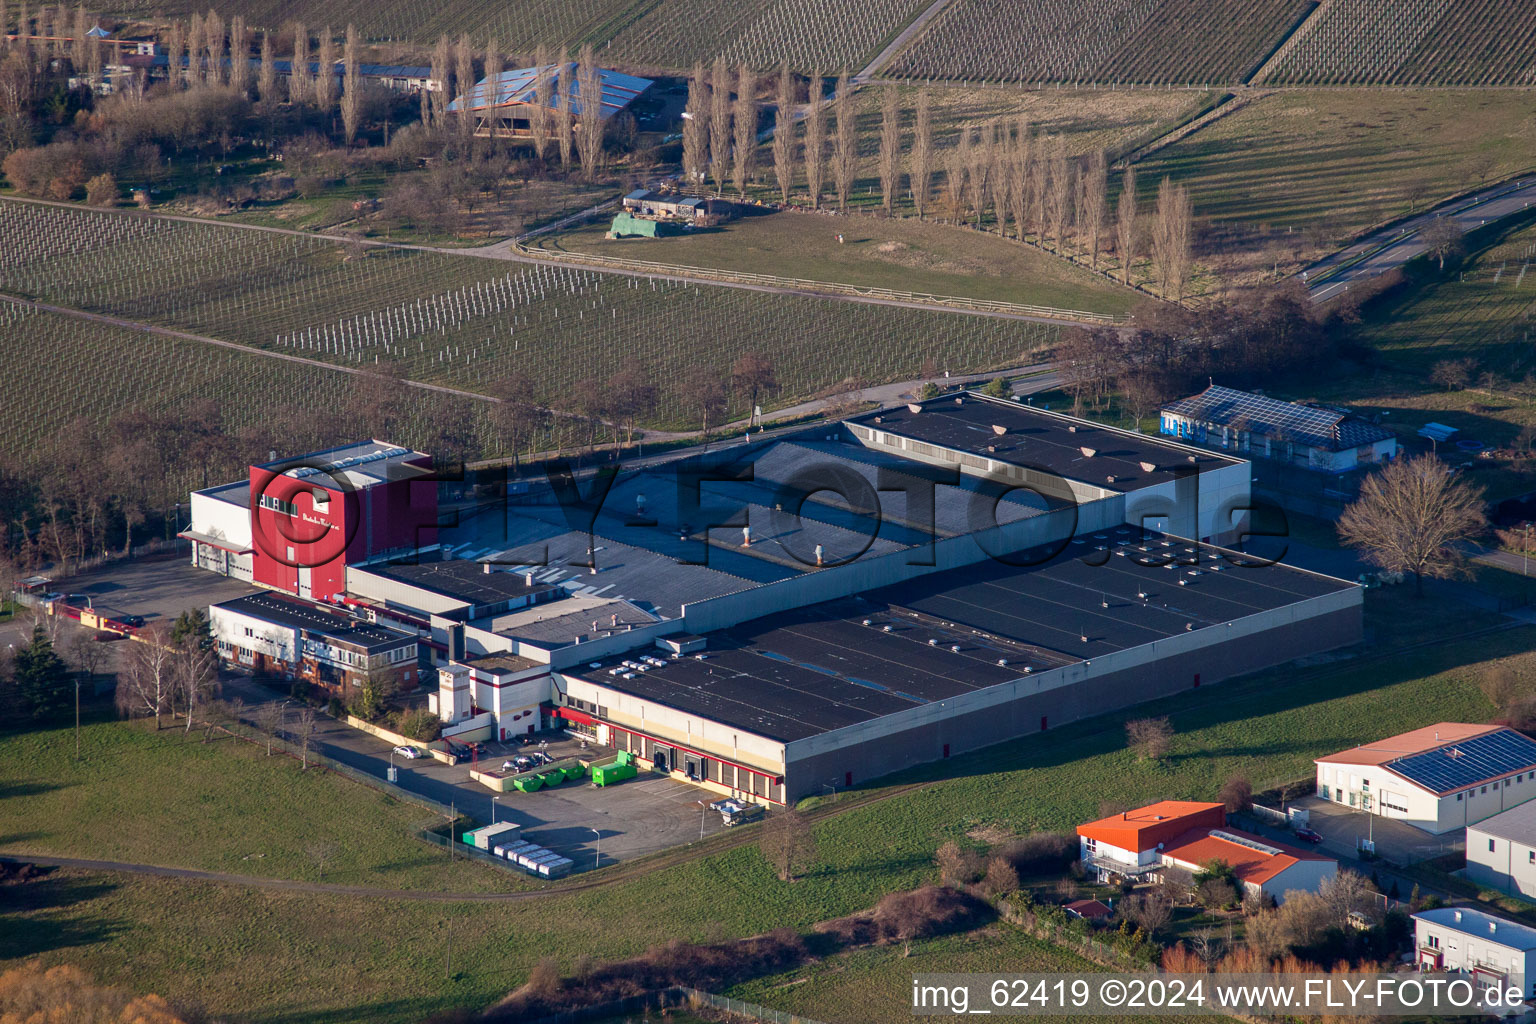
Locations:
(517, 27)
(1416, 42)
(77, 368)
(467, 322)
(813, 35)
(1137, 41)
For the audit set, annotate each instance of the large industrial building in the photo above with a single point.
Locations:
(1439, 778)
(296, 524)
(832, 605)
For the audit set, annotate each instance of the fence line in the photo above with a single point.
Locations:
(817, 287)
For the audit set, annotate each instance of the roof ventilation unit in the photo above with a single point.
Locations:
(999, 429)
(914, 408)
(955, 648)
(887, 628)
(1089, 452)
(933, 643)
(1148, 467)
(868, 623)
(1002, 662)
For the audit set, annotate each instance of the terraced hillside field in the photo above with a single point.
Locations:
(517, 27)
(468, 322)
(814, 36)
(1415, 42)
(1140, 41)
(78, 368)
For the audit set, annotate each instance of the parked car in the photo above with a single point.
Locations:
(132, 621)
(1309, 835)
(477, 748)
(408, 752)
(522, 764)
(458, 750)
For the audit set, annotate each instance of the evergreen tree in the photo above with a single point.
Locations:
(192, 624)
(41, 676)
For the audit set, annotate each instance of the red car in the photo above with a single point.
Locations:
(1309, 835)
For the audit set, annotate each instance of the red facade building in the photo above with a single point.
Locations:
(314, 515)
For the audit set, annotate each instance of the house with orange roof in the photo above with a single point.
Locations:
(1439, 778)
(1144, 843)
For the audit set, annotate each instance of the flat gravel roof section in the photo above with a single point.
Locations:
(299, 614)
(461, 580)
(1041, 440)
(841, 662)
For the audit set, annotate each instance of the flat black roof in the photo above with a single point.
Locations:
(334, 626)
(835, 664)
(1046, 441)
(461, 580)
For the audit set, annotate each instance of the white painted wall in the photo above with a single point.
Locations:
(1502, 864)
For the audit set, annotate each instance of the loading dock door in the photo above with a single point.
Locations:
(662, 759)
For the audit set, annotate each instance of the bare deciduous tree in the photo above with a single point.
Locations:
(565, 118)
(352, 96)
(1125, 223)
(814, 149)
(304, 731)
(266, 73)
(590, 130)
(1237, 794)
(705, 393)
(719, 122)
(1062, 192)
(146, 683)
(788, 843)
(1150, 738)
(320, 851)
(845, 145)
(1091, 209)
(920, 159)
(239, 55)
(744, 168)
(1411, 516)
(752, 375)
(269, 719)
(300, 89)
(1444, 237)
(544, 97)
(696, 127)
(1148, 911)
(213, 29)
(784, 133)
(1171, 239)
(956, 162)
(463, 82)
(890, 147)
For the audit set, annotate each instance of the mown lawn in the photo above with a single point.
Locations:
(163, 797)
(272, 957)
(902, 254)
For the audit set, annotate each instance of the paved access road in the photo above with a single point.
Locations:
(1393, 246)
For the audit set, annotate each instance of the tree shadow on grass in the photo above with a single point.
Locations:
(51, 911)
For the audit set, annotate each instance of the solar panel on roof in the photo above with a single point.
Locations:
(1260, 414)
(1458, 765)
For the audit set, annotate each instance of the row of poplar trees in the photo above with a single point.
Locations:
(1021, 182)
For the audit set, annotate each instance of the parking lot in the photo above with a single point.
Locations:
(1343, 828)
(634, 818)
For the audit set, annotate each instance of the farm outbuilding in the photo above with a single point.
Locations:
(502, 104)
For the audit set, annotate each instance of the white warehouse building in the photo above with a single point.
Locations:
(1495, 950)
(1501, 851)
(1439, 778)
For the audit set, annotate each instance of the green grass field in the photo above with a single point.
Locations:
(901, 254)
(168, 798)
(281, 957)
(1342, 161)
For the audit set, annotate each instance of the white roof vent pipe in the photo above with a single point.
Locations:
(1089, 452)
(999, 429)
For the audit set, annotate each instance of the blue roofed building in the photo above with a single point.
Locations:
(503, 104)
(1327, 440)
(1439, 778)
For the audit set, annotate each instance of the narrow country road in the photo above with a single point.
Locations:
(917, 25)
(1392, 246)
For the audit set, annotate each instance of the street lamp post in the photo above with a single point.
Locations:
(597, 854)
